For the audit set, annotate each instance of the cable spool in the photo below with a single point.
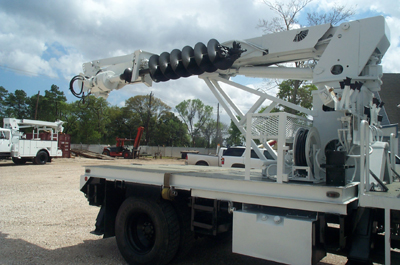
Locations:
(191, 61)
(299, 147)
(312, 139)
(303, 148)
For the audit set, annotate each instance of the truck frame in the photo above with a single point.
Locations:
(333, 187)
(15, 144)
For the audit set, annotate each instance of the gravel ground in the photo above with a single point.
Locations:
(45, 219)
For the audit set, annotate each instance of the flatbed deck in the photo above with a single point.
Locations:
(229, 184)
(384, 200)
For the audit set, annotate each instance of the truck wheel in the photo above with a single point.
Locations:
(106, 153)
(187, 236)
(147, 232)
(238, 165)
(41, 158)
(126, 154)
(19, 161)
(201, 163)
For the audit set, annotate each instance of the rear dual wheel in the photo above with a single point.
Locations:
(147, 231)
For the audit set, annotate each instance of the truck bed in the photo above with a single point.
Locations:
(229, 184)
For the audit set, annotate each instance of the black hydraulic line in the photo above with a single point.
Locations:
(79, 94)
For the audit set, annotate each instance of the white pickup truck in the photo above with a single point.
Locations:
(235, 157)
(228, 157)
(206, 160)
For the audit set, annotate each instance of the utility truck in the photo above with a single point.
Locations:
(16, 144)
(333, 188)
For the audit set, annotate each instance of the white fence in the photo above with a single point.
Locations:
(170, 151)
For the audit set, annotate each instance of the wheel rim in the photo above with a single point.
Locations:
(141, 233)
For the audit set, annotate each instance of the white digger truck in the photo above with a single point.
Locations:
(333, 187)
(14, 143)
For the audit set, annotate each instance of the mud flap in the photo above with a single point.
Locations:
(360, 246)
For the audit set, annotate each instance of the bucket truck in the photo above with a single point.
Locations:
(332, 188)
(14, 143)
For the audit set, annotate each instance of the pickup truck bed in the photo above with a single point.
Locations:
(202, 160)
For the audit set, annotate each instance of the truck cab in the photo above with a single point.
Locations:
(5, 142)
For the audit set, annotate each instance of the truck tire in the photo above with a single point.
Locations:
(19, 161)
(201, 163)
(126, 154)
(41, 158)
(186, 234)
(147, 232)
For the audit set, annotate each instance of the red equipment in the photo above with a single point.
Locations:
(120, 150)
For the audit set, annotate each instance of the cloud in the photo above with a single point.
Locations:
(54, 38)
(101, 29)
(391, 60)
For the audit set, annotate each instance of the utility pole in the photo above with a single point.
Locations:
(37, 104)
(217, 137)
(148, 119)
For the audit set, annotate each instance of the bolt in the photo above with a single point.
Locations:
(277, 219)
(264, 218)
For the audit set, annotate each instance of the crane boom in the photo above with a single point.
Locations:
(353, 49)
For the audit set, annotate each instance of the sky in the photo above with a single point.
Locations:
(45, 42)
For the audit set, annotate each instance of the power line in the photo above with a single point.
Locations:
(27, 72)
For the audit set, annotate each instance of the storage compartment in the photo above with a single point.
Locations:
(273, 237)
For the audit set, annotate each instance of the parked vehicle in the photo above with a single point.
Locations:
(120, 149)
(205, 160)
(235, 157)
(334, 189)
(229, 157)
(13, 142)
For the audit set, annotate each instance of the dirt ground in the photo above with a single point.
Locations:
(45, 219)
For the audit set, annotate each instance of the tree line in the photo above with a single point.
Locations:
(95, 121)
